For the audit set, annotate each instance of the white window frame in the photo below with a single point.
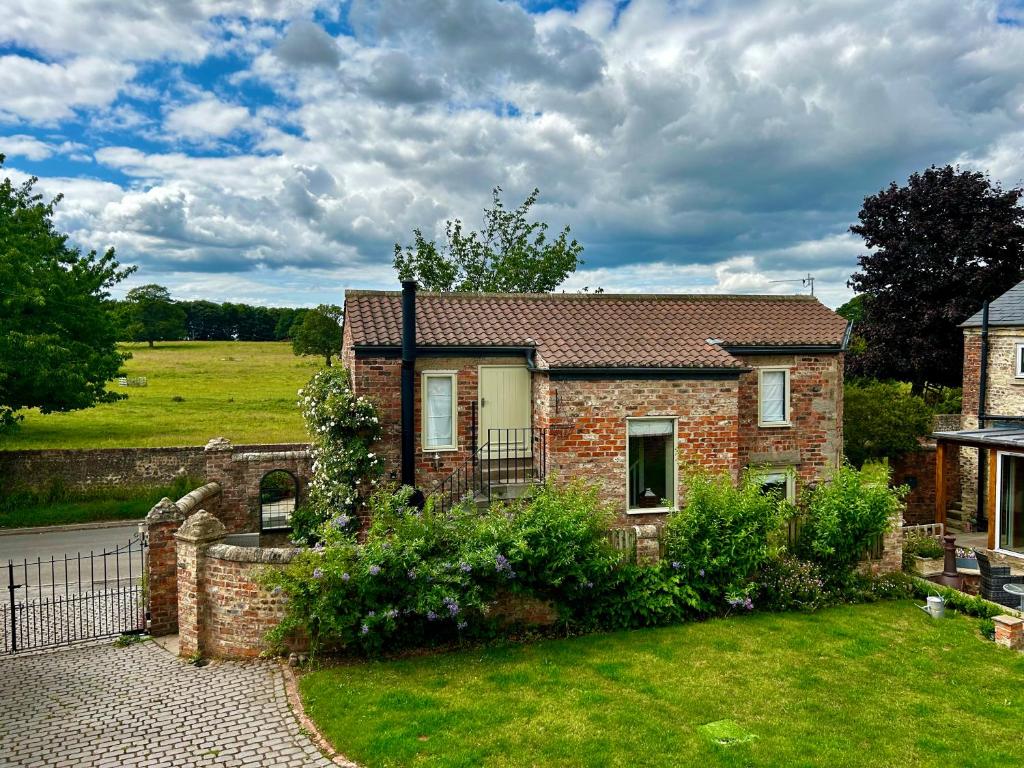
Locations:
(675, 465)
(999, 502)
(453, 376)
(1018, 373)
(787, 375)
(764, 475)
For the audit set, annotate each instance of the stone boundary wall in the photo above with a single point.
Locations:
(80, 469)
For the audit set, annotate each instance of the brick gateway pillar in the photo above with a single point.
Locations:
(193, 538)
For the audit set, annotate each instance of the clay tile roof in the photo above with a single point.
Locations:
(599, 330)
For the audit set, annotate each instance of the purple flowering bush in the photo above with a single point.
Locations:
(422, 577)
(790, 584)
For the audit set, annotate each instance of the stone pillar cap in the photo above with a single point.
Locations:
(1008, 621)
(164, 510)
(649, 531)
(201, 528)
(218, 444)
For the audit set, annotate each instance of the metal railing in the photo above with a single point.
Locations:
(509, 455)
(67, 599)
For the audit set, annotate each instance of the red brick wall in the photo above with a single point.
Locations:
(238, 611)
(918, 470)
(380, 379)
(591, 443)
(717, 428)
(239, 470)
(814, 442)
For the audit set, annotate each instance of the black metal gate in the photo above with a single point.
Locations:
(72, 598)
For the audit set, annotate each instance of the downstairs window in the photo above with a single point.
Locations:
(651, 462)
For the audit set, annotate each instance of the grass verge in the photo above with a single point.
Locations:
(55, 506)
(865, 685)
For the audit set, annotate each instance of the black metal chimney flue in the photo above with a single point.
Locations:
(408, 381)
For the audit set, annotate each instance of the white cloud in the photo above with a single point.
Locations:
(692, 146)
(207, 118)
(39, 92)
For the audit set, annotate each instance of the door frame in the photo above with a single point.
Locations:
(999, 501)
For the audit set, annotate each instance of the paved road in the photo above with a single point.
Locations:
(83, 573)
(141, 707)
(29, 546)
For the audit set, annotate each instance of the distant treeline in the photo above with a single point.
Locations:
(209, 321)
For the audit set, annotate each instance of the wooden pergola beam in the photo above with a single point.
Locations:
(990, 497)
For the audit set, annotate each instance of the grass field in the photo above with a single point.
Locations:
(865, 685)
(244, 391)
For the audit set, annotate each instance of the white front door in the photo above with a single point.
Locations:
(504, 405)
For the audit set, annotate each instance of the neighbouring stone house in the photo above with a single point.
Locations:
(990, 441)
(479, 391)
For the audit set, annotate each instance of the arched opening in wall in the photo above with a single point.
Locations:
(279, 493)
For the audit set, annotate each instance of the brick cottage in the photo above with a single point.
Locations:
(478, 391)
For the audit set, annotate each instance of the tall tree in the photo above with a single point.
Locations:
(511, 254)
(153, 316)
(57, 337)
(319, 333)
(940, 246)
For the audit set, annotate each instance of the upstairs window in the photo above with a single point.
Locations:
(1018, 369)
(439, 399)
(773, 397)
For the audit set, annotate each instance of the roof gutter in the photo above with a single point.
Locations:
(781, 349)
(645, 373)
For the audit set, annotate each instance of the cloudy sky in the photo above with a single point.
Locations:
(273, 151)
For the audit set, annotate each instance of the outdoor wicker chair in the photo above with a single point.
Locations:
(994, 578)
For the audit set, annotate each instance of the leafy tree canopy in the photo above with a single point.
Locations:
(882, 420)
(57, 338)
(510, 255)
(151, 315)
(940, 246)
(319, 333)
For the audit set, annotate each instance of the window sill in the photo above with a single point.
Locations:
(774, 424)
(649, 511)
(448, 449)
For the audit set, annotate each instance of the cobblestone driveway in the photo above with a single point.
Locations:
(141, 706)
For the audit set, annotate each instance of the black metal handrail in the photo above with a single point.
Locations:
(509, 455)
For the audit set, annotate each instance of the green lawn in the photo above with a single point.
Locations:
(864, 685)
(242, 390)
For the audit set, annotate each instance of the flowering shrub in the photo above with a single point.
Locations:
(722, 537)
(843, 516)
(433, 576)
(788, 584)
(343, 429)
